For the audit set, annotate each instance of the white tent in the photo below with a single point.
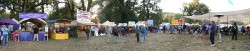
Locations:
(241, 15)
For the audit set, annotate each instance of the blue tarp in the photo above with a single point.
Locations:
(28, 36)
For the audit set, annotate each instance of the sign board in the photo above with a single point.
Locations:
(33, 15)
(174, 22)
(83, 16)
(150, 22)
(124, 24)
(120, 24)
(131, 23)
(111, 24)
(180, 20)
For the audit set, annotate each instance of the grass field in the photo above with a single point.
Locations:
(154, 42)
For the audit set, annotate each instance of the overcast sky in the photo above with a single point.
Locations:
(214, 5)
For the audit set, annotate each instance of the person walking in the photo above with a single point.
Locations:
(36, 30)
(143, 33)
(5, 32)
(234, 31)
(212, 33)
(115, 32)
(138, 34)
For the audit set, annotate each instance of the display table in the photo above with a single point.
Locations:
(60, 36)
(28, 36)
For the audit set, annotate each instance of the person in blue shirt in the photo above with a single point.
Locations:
(5, 31)
(213, 30)
(143, 33)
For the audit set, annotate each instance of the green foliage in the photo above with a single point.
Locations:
(62, 13)
(119, 11)
(130, 10)
(195, 8)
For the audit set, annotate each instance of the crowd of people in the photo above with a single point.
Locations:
(7, 32)
(141, 31)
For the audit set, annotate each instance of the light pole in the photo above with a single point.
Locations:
(219, 15)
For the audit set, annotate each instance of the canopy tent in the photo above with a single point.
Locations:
(10, 21)
(241, 15)
(37, 21)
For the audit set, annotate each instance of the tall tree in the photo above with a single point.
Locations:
(119, 10)
(17, 6)
(195, 8)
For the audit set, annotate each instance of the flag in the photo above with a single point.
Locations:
(230, 2)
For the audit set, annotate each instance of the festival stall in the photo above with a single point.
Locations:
(84, 20)
(29, 20)
(58, 29)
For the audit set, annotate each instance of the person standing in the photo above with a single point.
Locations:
(184, 28)
(5, 32)
(212, 33)
(143, 33)
(164, 29)
(35, 31)
(138, 34)
(115, 32)
(234, 31)
(87, 31)
(1, 36)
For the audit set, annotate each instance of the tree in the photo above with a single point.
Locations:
(17, 6)
(194, 8)
(67, 12)
(130, 10)
(118, 10)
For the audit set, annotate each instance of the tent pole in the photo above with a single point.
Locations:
(227, 21)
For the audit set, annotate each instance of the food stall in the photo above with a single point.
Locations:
(59, 29)
(27, 23)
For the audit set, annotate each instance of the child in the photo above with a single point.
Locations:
(115, 32)
(15, 36)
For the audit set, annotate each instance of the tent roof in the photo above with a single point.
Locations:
(9, 21)
(38, 21)
(241, 15)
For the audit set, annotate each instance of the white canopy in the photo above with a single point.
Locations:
(241, 15)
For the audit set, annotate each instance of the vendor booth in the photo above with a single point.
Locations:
(27, 23)
(83, 20)
(12, 25)
(59, 29)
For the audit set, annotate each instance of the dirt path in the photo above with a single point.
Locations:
(154, 42)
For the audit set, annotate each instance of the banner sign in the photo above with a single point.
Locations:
(33, 15)
(120, 24)
(124, 24)
(150, 22)
(131, 23)
(174, 22)
(83, 16)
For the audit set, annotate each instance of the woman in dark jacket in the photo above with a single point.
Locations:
(234, 31)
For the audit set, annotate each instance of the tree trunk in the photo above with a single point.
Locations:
(83, 5)
(42, 6)
(89, 5)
